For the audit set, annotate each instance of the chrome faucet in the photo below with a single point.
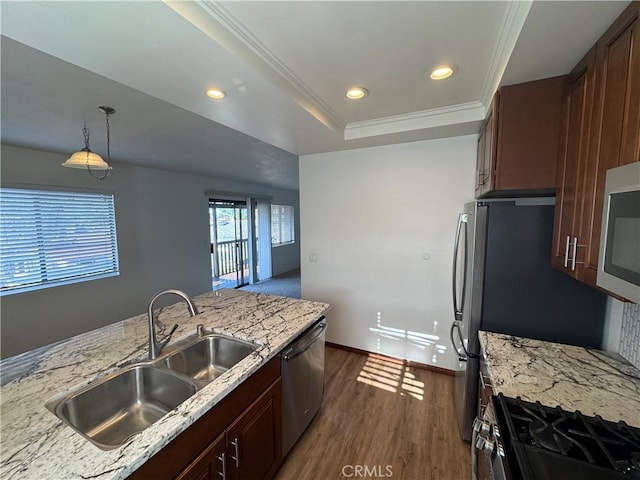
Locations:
(155, 346)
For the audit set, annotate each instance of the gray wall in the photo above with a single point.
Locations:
(163, 242)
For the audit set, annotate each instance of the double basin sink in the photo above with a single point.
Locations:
(110, 410)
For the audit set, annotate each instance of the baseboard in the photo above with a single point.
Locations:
(399, 361)
(295, 271)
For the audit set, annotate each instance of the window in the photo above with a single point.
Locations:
(282, 225)
(49, 238)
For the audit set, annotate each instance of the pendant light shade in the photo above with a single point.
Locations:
(85, 158)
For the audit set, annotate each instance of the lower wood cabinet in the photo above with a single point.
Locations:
(210, 465)
(238, 439)
(252, 444)
(247, 449)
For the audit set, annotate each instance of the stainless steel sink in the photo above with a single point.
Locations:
(209, 357)
(111, 410)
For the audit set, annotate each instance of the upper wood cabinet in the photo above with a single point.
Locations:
(601, 130)
(518, 145)
(485, 168)
(572, 167)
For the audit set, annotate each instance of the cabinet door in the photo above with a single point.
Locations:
(480, 164)
(578, 101)
(529, 117)
(616, 125)
(489, 133)
(254, 441)
(210, 464)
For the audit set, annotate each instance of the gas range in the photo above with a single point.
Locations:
(521, 440)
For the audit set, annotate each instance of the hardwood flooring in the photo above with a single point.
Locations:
(380, 419)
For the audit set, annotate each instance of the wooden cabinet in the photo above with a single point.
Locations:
(253, 440)
(519, 143)
(485, 170)
(210, 464)
(238, 439)
(615, 125)
(248, 449)
(480, 164)
(577, 106)
(601, 130)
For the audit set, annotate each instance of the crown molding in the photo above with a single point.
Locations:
(435, 117)
(510, 28)
(213, 19)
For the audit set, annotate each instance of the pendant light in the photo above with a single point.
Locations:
(85, 158)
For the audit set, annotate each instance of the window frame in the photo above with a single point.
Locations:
(80, 275)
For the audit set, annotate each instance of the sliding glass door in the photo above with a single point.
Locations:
(228, 222)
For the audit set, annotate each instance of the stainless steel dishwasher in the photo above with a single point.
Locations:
(302, 382)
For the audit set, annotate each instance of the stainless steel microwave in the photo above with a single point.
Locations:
(619, 260)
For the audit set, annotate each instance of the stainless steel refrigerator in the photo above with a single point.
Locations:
(503, 282)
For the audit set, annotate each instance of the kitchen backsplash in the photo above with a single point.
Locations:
(630, 333)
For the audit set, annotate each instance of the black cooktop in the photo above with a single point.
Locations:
(545, 443)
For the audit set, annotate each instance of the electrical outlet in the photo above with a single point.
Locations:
(313, 257)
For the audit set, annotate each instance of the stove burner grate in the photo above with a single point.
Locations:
(592, 440)
(546, 436)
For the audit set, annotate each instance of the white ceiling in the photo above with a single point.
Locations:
(284, 66)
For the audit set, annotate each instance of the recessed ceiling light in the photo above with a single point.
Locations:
(356, 93)
(215, 93)
(443, 71)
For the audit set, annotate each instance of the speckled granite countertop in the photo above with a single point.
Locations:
(34, 444)
(574, 378)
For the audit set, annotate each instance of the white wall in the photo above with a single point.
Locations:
(163, 242)
(381, 223)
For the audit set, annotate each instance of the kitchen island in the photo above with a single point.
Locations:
(573, 378)
(35, 444)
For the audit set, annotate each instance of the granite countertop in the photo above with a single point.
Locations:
(35, 444)
(574, 378)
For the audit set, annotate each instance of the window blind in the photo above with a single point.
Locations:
(264, 240)
(51, 237)
(282, 224)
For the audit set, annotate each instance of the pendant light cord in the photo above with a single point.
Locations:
(107, 111)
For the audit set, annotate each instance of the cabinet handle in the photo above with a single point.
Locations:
(575, 253)
(566, 252)
(237, 457)
(223, 460)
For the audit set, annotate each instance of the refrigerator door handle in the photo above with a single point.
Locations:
(457, 308)
(463, 355)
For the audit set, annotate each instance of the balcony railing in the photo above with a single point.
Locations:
(231, 256)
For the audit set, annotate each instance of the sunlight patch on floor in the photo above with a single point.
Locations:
(391, 376)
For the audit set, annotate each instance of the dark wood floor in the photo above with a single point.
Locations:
(390, 420)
